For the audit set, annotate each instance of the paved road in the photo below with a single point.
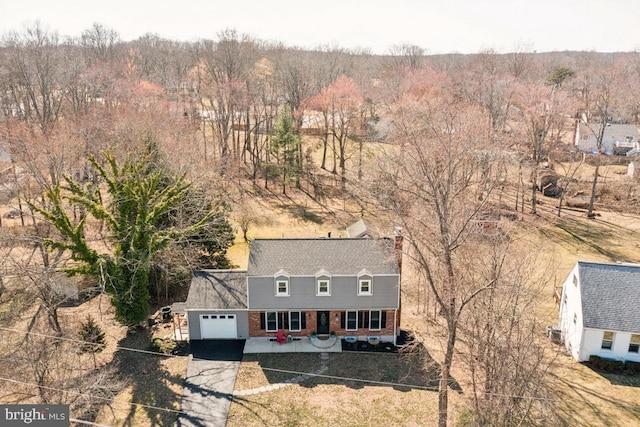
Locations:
(211, 376)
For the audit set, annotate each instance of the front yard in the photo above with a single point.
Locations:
(395, 390)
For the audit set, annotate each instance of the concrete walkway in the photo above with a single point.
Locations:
(304, 345)
(213, 367)
(211, 377)
(324, 366)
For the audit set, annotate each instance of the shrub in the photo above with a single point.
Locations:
(92, 336)
(632, 367)
(606, 365)
(165, 346)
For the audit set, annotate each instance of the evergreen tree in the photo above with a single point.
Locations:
(91, 336)
(286, 145)
(142, 195)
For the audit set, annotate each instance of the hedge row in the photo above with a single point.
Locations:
(614, 366)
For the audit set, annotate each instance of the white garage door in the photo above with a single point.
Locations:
(221, 326)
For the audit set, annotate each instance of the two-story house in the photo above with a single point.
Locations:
(348, 286)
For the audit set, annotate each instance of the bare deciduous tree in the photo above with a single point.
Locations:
(438, 182)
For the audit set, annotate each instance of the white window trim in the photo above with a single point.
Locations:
(282, 294)
(346, 320)
(367, 293)
(323, 279)
(613, 338)
(632, 343)
(379, 328)
(299, 321)
(266, 321)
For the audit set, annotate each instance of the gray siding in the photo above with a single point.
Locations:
(193, 317)
(344, 294)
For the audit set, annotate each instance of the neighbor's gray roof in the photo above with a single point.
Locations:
(358, 229)
(218, 289)
(611, 130)
(610, 296)
(305, 257)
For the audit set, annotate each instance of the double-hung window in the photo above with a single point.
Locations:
(271, 320)
(324, 286)
(295, 321)
(634, 344)
(375, 320)
(282, 288)
(607, 340)
(364, 287)
(352, 321)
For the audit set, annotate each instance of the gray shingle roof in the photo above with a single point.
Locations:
(610, 296)
(218, 289)
(305, 257)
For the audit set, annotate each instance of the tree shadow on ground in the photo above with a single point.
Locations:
(316, 213)
(569, 404)
(401, 370)
(149, 381)
(625, 379)
(600, 236)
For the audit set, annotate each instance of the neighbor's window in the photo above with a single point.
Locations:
(364, 287)
(324, 287)
(607, 340)
(294, 321)
(352, 321)
(374, 320)
(634, 344)
(271, 321)
(575, 280)
(282, 288)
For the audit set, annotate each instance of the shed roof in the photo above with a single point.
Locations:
(358, 229)
(610, 296)
(218, 289)
(304, 257)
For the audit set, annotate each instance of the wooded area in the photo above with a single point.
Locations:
(435, 144)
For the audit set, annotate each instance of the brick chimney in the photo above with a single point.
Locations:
(398, 246)
(399, 241)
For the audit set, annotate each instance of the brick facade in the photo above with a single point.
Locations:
(311, 321)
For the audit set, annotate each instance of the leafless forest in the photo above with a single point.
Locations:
(440, 145)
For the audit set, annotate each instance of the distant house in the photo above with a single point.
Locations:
(617, 138)
(359, 229)
(348, 286)
(599, 311)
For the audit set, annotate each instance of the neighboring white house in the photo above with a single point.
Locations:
(617, 138)
(599, 311)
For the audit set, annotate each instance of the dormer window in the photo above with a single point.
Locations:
(282, 288)
(365, 286)
(282, 284)
(323, 283)
(323, 287)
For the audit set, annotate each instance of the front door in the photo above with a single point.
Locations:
(323, 322)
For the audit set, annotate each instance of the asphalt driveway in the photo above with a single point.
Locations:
(211, 376)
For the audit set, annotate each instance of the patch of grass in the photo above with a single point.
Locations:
(330, 400)
(156, 381)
